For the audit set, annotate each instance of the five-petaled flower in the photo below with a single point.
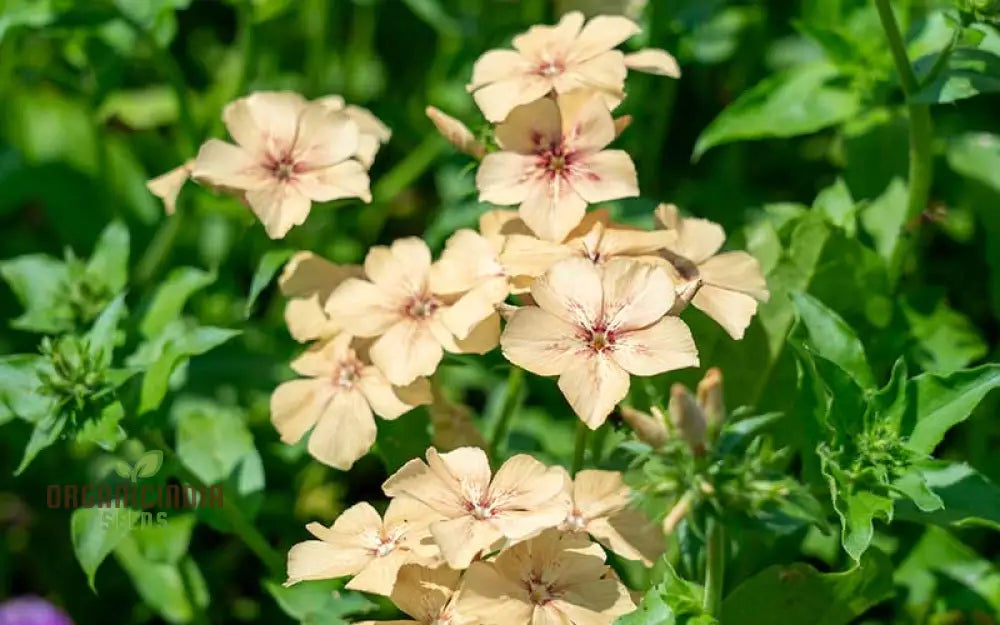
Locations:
(428, 595)
(523, 498)
(340, 392)
(562, 58)
(362, 544)
(402, 306)
(726, 286)
(553, 163)
(596, 324)
(288, 154)
(556, 577)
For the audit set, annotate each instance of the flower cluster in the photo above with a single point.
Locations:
(288, 153)
(461, 545)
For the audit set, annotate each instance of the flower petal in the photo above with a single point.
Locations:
(603, 176)
(468, 257)
(663, 346)
(498, 99)
(316, 559)
(322, 358)
(494, 66)
(168, 186)
(406, 351)
(488, 595)
(541, 39)
(731, 310)
(531, 127)
(694, 239)
(296, 406)
(586, 121)
(629, 534)
(599, 493)
(540, 342)
(279, 207)
(379, 575)
(501, 222)
(405, 265)
(325, 137)
(603, 74)
(224, 165)
(462, 317)
(345, 432)
(571, 290)
(526, 255)
(363, 307)
(343, 180)
(593, 386)
(635, 294)
(653, 61)
(601, 34)
(463, 538)
(735, 271)
(504, 178)
(596, 602)
(552, 208)
(482, 338)
(389, 402)
(264, 119)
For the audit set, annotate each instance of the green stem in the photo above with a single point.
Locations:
(579, 447)
(316, 16)
(512, 399)
(715, 566)
(158, 249)
(240, 525)
(921, 169)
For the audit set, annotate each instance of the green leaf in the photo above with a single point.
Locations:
(857, 509)
(798, 594)
(109, 263)
(95, 532)
(101, 339)
(141, 109)
(946, 339)
(39, 282)
(105, 430)
(171, 296)
(319, 602)
(122, 469)
(967, 496)
(175, 348)
(21, 389)
(652, 610)
(832, 338)
(674, 600)
(977, 156)
(147, 465)
(46, 432)
(943, 401)
(400, 440)
(968, 71)
(155, 558)
(837, 204)
(269, 265)
(797, 102)
(884, 217)
(212, 440)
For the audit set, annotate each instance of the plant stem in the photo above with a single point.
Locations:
(511, 401)
(715, 566)
(158, 249)
(242, 527)
(921, 169)
(580, 447)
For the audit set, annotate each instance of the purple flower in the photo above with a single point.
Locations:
(32, 611)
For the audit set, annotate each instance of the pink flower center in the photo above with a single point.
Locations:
(550, 67)
(600, 337)
(387, 542)
(421, 306)
(347, 373)
(539, 592)
(575, 521)
(481, 509)
(555, 160)
(283, 167)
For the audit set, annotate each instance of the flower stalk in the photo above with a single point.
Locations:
(579, 447)
(715, 567)
(511, 401)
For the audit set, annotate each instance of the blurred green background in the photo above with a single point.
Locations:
(97, 96)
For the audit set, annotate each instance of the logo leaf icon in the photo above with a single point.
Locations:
(123, 469)
(148, 464)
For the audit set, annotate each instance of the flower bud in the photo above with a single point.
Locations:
(711, 400)
(456, 133)
(649, 429)
(688, 418)
(677, 513)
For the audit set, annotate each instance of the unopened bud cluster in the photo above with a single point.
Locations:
(74, 376)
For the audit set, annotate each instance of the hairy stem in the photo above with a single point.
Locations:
(580, 447)
(240, 525)
(715, 566)
(511, 401)
(921, 169)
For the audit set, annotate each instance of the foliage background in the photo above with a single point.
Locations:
(97, 96)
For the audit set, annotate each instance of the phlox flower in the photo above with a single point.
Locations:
(556, 577)
(553, 163)
(362, 544)
(409, 312)
(307, 281)
(596, 238)
(456, 133)
(726, 286)
(562, 58)
(427, 595)
(596, 324)
(523, 498)
(288, 154)
(338, 395)
(470, 269)
(602, 508)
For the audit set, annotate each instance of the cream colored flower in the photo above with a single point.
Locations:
(457, 133)
(470, 270)
(307, 281)
(553, 163)
(596, 324)
(362, 544)
(168, 186)
(556, 578)
(338, 394)
(562, 58)
(373, 132)
(409, 313)
(596, 238)
(523, 498)
(426, 594)
(288, 154)
(602, 508)
(726, 286)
